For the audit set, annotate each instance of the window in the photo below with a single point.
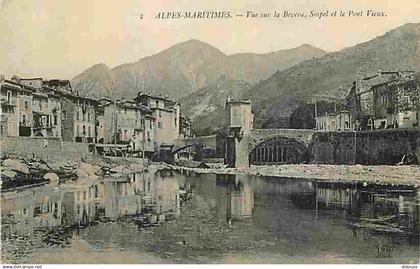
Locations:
(84, 130)
(26, 105)
(89, 131)
(77, 130)
(55, 120)
(23, 119)
(160, 114)
(9, 97)
(77, 115)
(125, 135)
(84, 116)
(160, 125)
(88, 117)
(64, 115)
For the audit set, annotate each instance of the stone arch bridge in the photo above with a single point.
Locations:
(241, 148)
(253, 146)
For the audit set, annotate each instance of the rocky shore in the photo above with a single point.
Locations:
(18, 173)
(25, 173)
(379, 174)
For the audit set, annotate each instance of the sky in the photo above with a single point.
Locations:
(60, 39)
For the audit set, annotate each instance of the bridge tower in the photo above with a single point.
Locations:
(240, 121)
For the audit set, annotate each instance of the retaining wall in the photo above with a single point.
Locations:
(47, 149)
(368, 147)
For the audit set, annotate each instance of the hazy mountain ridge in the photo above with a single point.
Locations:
(99, 76)
(185, 68)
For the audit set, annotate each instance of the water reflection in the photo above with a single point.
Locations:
(155, 195)
(311, 218)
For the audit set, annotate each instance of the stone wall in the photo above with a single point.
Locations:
(368, 147)
(47, 149)
(67, 123)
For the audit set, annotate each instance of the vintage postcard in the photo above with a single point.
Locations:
(210, 132)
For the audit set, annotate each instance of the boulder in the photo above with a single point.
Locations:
(16, 165)
(8, 173)
(51, 176)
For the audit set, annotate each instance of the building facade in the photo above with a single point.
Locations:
(335, 122)
(35, 107)
(240, 114)
(386, 100)
(29, 109)
(125, 122)
(166, 113)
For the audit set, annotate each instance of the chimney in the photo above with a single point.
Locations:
(380, 73)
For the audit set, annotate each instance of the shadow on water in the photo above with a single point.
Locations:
(218, 218)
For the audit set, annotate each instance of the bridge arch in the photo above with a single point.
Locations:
(297, 140)
(278, 150)
(178, 149)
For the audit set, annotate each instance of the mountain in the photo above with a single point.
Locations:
(207, 106)
(185, 68)
(99, 76)
(331, 75)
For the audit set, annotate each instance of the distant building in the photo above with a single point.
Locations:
(78, 116)
(35, 107)
(166, 113)
(333, 122)
(386, 100)
(185, 127)
(125, 122)
(29, 108)
(239, 114)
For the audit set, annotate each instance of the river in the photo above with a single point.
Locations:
(171, 217)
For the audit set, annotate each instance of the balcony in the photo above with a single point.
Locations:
(25, 124)
(40, 126)
(8, 103)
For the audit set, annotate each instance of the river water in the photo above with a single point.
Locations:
(171, 217)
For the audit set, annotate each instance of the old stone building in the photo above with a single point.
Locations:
(166, 113)
(335, 122)
(185, 127)
(239, 115)
(10, 100)
(29, 108)
(386, 100)
(78, 115)
(126, 123)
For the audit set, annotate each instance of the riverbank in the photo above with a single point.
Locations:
(20, 173)
(94, 166)
(378, 174)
